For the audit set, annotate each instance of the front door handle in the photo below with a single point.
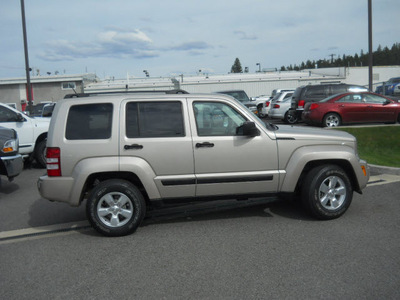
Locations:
(133, 146)
(204, 145)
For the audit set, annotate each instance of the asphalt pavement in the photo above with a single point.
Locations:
(266, 250)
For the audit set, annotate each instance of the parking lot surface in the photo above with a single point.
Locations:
(266, 250)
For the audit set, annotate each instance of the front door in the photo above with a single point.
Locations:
(227, 163)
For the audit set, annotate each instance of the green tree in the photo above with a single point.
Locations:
(237, 66)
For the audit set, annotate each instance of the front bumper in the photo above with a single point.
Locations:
(11, 166)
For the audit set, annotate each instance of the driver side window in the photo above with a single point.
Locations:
(7, 115)
(216, 119)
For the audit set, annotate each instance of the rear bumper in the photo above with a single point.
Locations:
(11, 166)
(57, 189)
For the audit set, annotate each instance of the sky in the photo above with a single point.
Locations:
(116, 38)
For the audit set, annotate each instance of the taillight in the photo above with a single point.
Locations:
(53, 161)
(276, 106)
(266, 104)
(314, 106)
(301, 104)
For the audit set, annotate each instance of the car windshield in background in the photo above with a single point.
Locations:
(241, 96)
(394, 80)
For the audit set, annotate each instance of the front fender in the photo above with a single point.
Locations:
(320, 155)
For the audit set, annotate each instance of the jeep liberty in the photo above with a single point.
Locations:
(125, 153)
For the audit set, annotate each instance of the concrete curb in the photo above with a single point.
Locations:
(375, 169)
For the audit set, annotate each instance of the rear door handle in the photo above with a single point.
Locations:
(133, 146)
(204, 145)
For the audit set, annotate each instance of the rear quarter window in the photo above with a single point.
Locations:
(89, 122)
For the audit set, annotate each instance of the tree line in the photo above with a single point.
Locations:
(380, 57)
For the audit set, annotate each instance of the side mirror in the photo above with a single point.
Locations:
(20, 118)
(387, 102)
(248, 129)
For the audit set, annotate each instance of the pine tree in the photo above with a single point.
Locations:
(237, 67)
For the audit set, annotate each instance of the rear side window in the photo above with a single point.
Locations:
(154, 119)
(338, 89)
(316, 92)
(89, 122)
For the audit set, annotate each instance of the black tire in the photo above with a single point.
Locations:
(327, 192)
(289, 118)
(40, 153)
(115, 207)
(332, 120)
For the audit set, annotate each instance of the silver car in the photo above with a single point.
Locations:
(280, 111)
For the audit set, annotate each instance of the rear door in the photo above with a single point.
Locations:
(157, 133)
(225, 163)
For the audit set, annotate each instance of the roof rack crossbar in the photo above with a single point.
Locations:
(79, 95)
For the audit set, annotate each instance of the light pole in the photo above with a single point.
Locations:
(28, 78)
(370, 54)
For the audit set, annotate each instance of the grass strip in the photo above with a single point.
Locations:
(378, 145)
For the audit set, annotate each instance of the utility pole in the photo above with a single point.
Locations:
(28, 78)
(370, 54)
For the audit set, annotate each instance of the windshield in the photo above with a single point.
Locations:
(238, 95)
(276, 97)
(394, 80)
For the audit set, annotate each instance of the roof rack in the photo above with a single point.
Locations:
(79, 95)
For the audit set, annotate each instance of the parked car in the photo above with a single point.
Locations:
(122, 154)
(38, 109)
(10, 161)
(391, 87)
(262, 102)
(276, 91)
(314, 93)
(241, 96)
(280, 111)
(32, 132)
(348, 108)
(47, 110)
(278, 98)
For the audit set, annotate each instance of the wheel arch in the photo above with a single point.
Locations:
(95, 178)
(40, 138)
(332, 112)
(306, 158)
(342, 163)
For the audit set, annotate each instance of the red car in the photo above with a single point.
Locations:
(346, 108)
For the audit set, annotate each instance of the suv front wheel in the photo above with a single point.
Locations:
(327, 192)
(115, 207)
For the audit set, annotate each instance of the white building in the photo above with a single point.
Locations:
(254, 84)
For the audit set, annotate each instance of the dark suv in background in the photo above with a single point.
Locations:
(314, 93)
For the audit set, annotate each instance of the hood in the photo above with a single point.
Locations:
(40, 120)
(308, 133)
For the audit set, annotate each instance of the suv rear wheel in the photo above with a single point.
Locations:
(115, 207)
(327, 192)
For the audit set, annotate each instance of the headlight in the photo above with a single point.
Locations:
(10, 146)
